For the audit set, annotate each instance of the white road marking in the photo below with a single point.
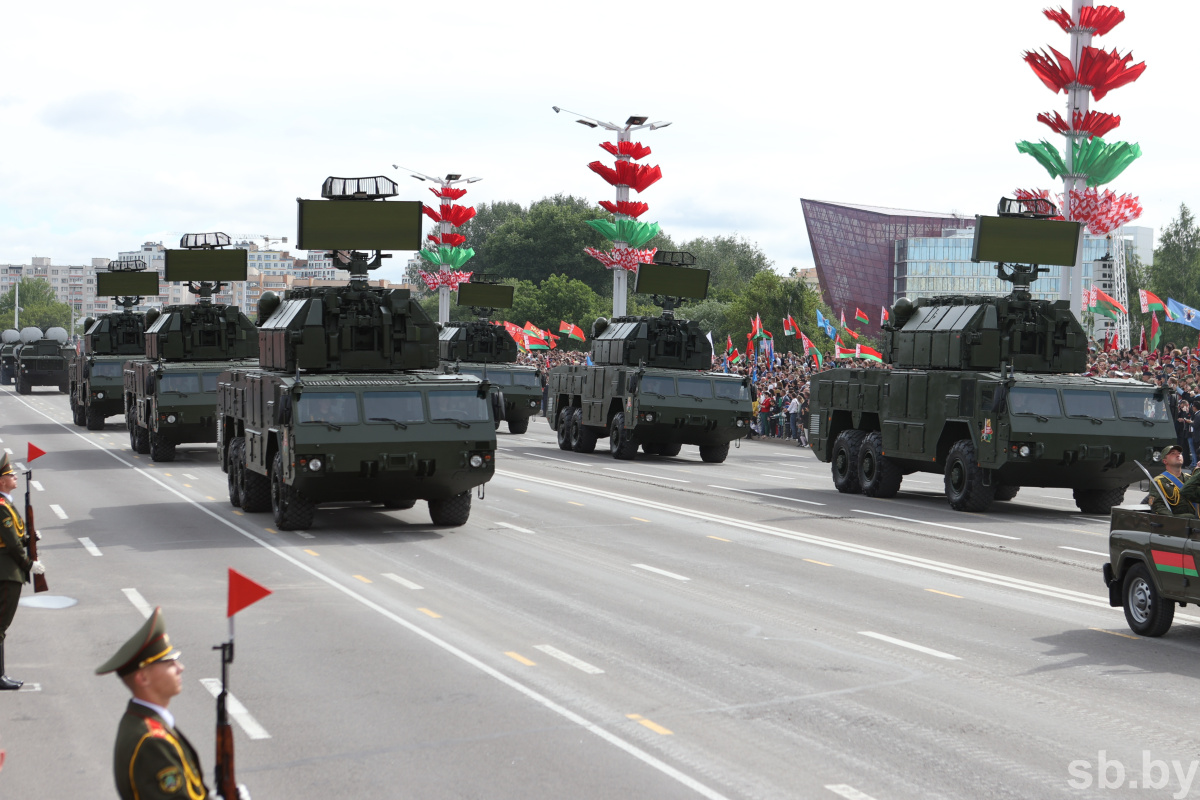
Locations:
(8, 450)
(90, 546)
(30, 687)
(936, 524)
(764, 494)
(661, 572)
(403, 582)
(236, 710)
(783, 477)
(21, 467)
(568, 659)
(139, 602)
(37, 485)
(304, 535)
(514, 527)
(1081, 550)
(58, 512)
(552, 458)
(647, 475)
(189, 477)
(848, 792)
(920, 649)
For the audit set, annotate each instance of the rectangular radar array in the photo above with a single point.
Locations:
(126, 284)
(1021, 240)
(485, 295)
(359, 225)
(664, 279)
(205, 265)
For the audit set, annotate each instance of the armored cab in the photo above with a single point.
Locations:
(649, 383)
(40, 359)
(9, 340)
(487, 351)
(171, 393)
(989, 391)
(345, 404)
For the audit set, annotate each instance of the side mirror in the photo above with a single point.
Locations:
(498, 406)
(635, 381)
(285, 409)
(481, 391)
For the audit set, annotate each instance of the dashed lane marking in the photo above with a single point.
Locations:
(402, 581)
(937, 524)
(1115, 633)
(764, 494)
(654, 726)
(433, 614)
(304, 535)
(567, 658)
(822, 563)
(37, 485)
(647, 475)
(572, 502)
(848, 792)
(901, 643)
(30, 687)
(522, 659)
(517, 528)
(364, 578)
(241, 716)
(552, 458)
(312, 552)
(139, 602)
(89, 546)
(658, 571)
(939, 591)
(1081, 550)
(718, 538)
(639, 519)
(190, 477)
(523, 491)
(58, 512)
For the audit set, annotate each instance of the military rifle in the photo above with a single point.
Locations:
(226, 784)
(31, 536)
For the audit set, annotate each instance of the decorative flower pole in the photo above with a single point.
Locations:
(447, 252)
(626, 233)
(1088, 161)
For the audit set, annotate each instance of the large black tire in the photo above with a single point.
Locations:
(671, 450)
(652, 449)
(139, 440)
(233, 471)
(77, 413)
(454, 511)
(619, 443)
(398, 504)
(844, 463)
(583, 438)
(564, 428)
(256, 489)
(518, 425)
(23, 386)
(714, 453)
(1098, 501)
(64, 387)
(1004, 492)
(160, 448)
(93, 419)
(878, 475)
(964, 479)
(1147, 613)
(293, 511)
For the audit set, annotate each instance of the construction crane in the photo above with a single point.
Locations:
(255, 237)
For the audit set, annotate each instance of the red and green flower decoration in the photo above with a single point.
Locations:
(624, 231)
(446, 251)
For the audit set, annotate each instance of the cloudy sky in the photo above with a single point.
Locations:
(133, 121)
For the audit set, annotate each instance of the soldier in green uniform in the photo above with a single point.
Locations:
(15, 566)
(1171, 484)
(152, 760)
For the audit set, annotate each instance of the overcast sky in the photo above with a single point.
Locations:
(129, 122)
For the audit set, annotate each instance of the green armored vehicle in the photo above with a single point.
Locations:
(97, 374)
(171, 394)
(41, 359)
(987, 391)
(347, 404)
(9, 340)
(487, 352)
(649, 383)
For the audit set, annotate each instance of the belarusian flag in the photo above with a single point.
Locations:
(861, 315)
(852, 333)
(843, 318)
(789, 326)
(572, 330)
(734, 356)
(869, 353)
(810, 348)
(1155, 333)
(844, 352)
(756, 327)
(533, 342)
(516, 333)
(1108, 306)
(1151, 302)
(1142, 340)
(884, 316)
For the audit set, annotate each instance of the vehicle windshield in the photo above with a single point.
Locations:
(695, 387)
(526, 379)
(393, 407)
(657, 384)
(731, 390)
(180, 383)
(496, 376)
(109, 369)
(1085, 403)
(210, 381)
(1140, 405)
(1035, 402)
(337, 408)
(458, 404)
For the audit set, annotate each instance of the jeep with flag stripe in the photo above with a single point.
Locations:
(1152, 566)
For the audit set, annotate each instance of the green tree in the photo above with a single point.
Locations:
(1176, 271)
(40, 307)
(773, 297)
(731, 260)
(549, 240)
(489, 217)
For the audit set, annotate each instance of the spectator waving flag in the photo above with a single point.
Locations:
(1151, 302)
(861, 316)
(572, 330)
(789, 326)
(883, 315)
(843, 319)
(1155, 333)
(869, 353)
(1108, 306)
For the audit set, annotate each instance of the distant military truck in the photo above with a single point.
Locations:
(171, 393)
(649, 384)
(41, 359)
(9, 340)
(987, 392)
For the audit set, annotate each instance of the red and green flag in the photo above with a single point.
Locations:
(1151, 302)
(1142, 339)
(884, 316)
(1108, 305)
(861, 316)
(869, 353)
(811, 349)
(843, 352)
(853, 335)
(1155, 333)
(734, 356)
(790, 328)
(572, 330)
(843, 318)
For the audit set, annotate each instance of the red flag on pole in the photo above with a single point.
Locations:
(243, 592)
(34, 452)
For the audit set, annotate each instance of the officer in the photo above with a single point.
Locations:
(15, 565)
(152, 759)
(1171, 484)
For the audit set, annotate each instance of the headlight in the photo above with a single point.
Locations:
(1024, 451)
(476, 461)
(99, 395)
(533, 403)
(315, 464)
(170, 417)
(1158, 455)
(741, 423)
(650, 417)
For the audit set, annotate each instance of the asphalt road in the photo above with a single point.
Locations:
(661, 628)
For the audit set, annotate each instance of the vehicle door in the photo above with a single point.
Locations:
(1172, 557)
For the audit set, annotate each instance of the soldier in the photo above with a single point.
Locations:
(1172, 483)
(15, 565)
(152, 759)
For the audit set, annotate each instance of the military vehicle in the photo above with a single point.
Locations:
(346, 404)
(41, 359)
(97, 373)
(988, 391)
(649, 383)
(9, 340)
(488, 352)
(171, 393)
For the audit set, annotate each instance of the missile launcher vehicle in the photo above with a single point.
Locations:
(40, 359)
(9, 340)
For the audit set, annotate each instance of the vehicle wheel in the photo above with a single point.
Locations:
(139, 440)
(878, 475)
(293, 512)
(160, 449)
(398, 504)
(845, 461)
(233, 471)
(1098, 501)
(64, 387)
(93, 419)
(714, 453)
(519, 425)
(1004, 492)
(583, 438)
(1147, 613)
(618, 440)
(652, 449)
(964, 479)
(255, 489)
(564, 428)
(77, 414)
(671, 450)
(453, 511)
(23, 386)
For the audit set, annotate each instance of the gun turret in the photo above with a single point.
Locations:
(479, 341)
